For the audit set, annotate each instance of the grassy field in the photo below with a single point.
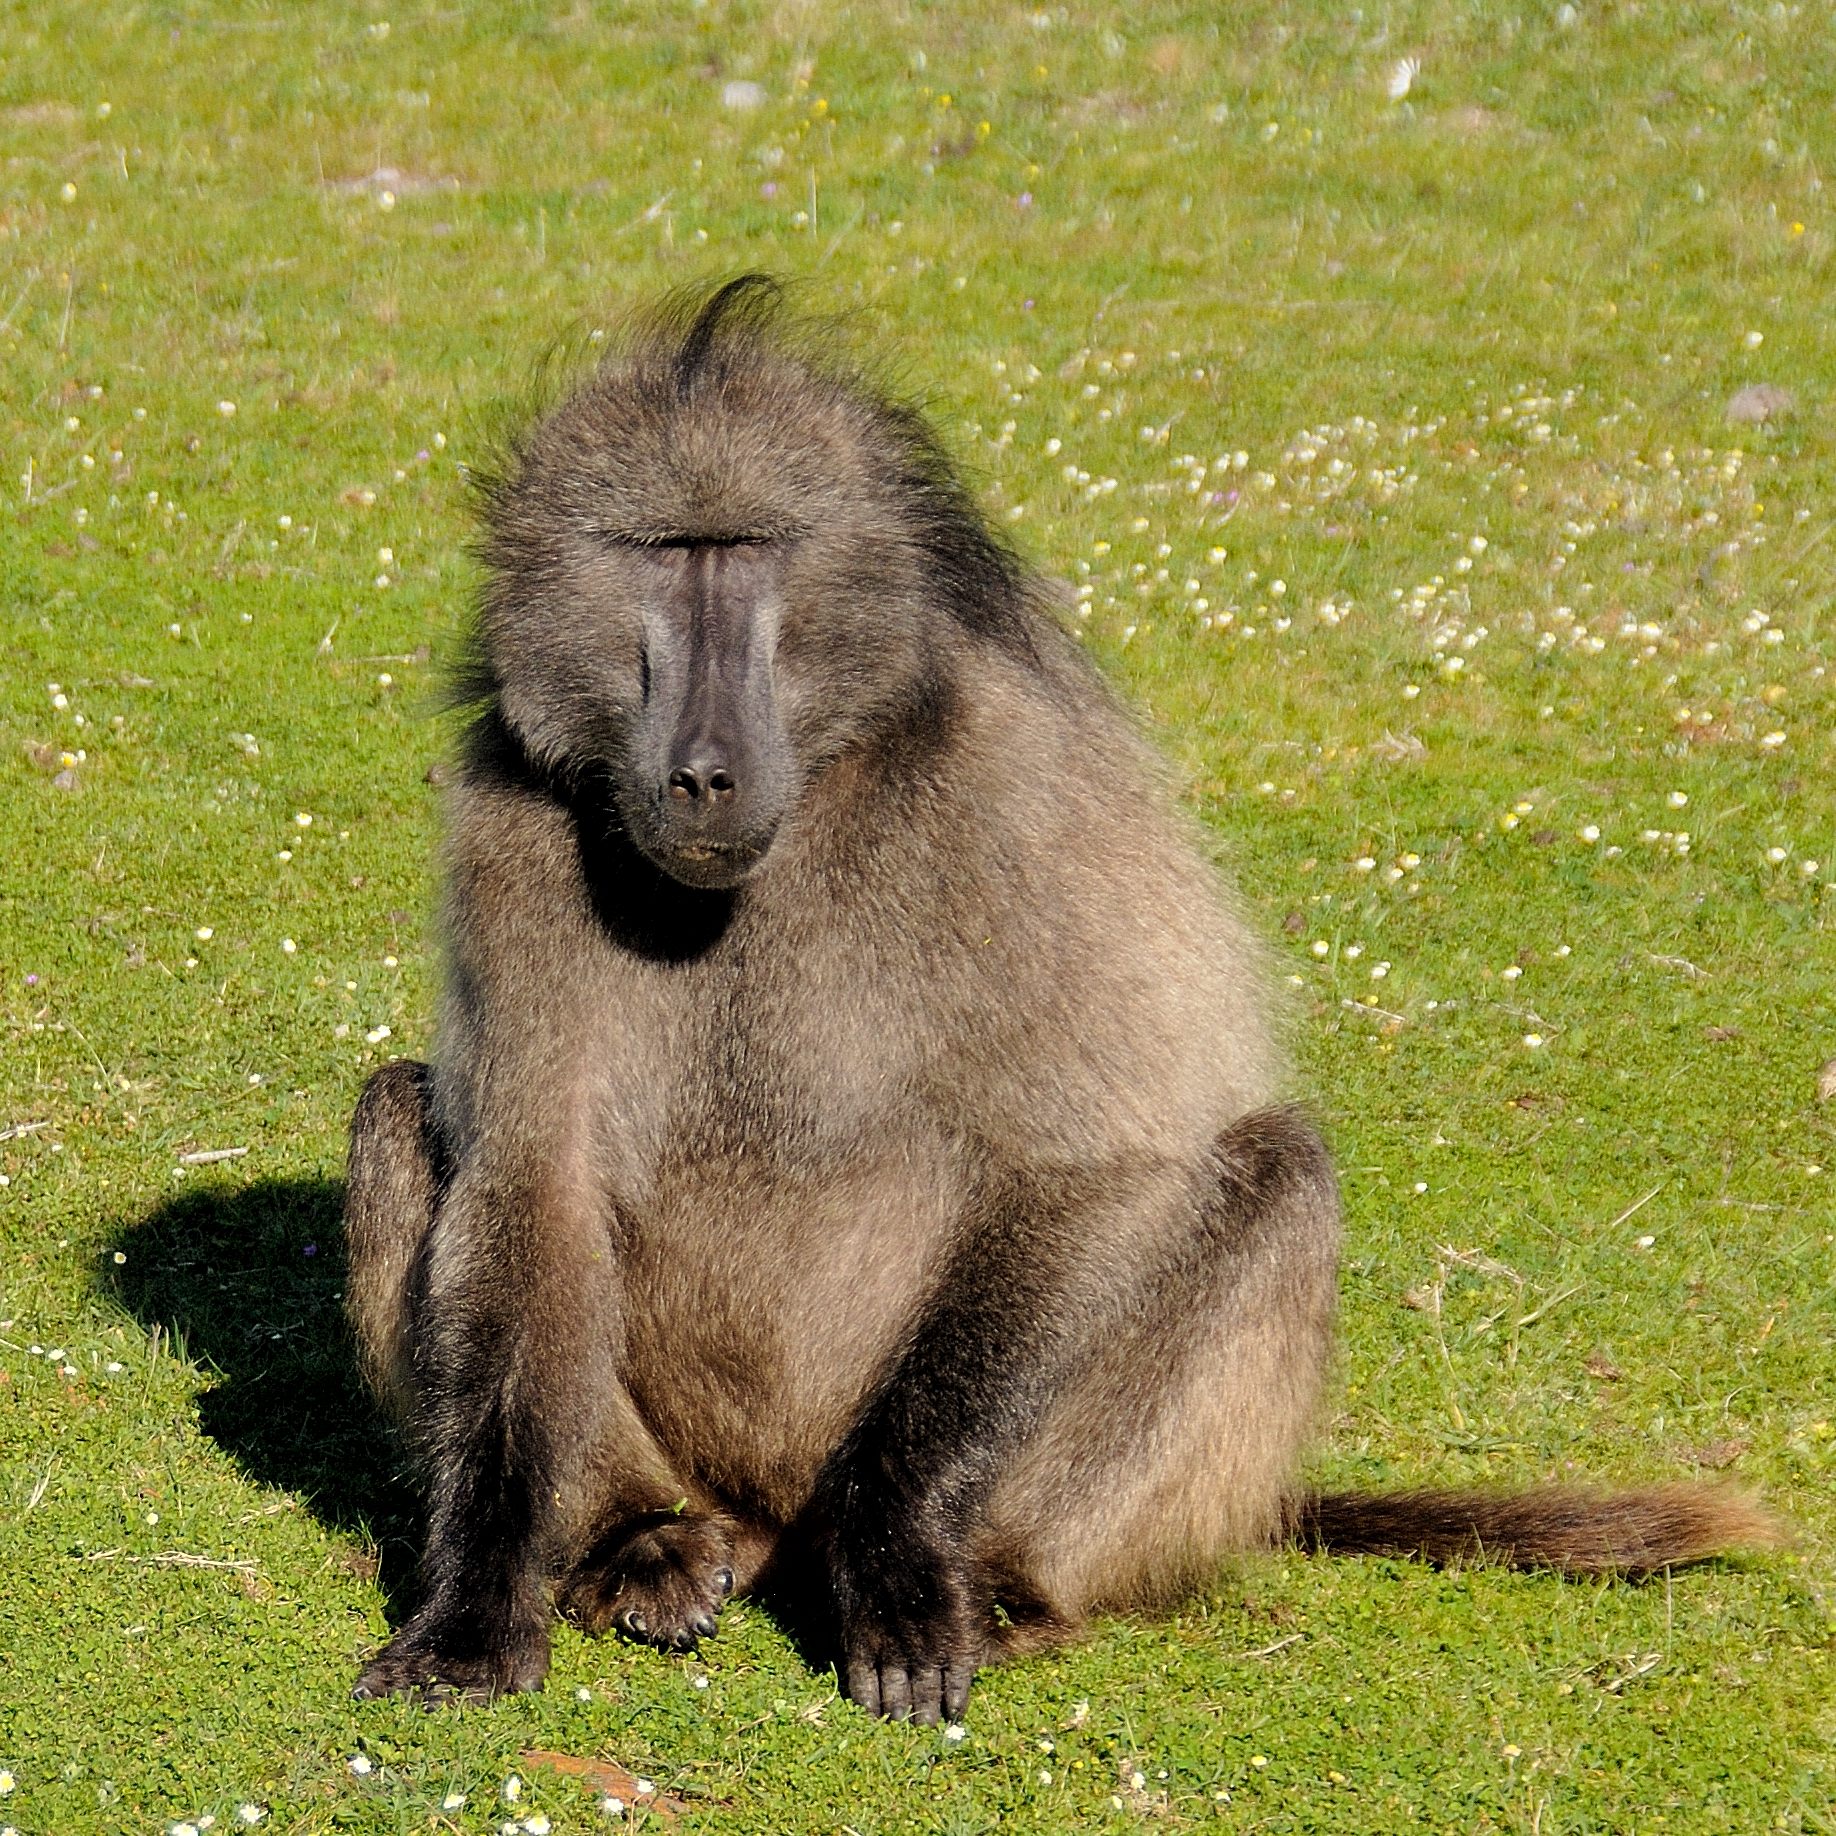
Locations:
(1373, 375)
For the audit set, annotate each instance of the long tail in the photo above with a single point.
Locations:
(1569, 1528)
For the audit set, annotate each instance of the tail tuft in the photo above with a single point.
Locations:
(1578, 1531)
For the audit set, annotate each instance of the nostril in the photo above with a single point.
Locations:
(721, 785)
(684, 786)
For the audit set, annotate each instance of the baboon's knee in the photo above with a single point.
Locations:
(1275, 1180)
(390, 1193)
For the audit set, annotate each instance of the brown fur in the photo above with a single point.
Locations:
(1572, 1528)
(877, 1170)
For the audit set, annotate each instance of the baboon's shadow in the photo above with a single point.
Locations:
(248, 1284)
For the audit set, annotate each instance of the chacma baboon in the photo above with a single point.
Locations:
(855, 1140)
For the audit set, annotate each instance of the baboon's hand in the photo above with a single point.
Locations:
(913, 1630)
(660, 1578)
(455, 1654)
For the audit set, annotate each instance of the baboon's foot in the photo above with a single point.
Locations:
(661, 1579)
(459, 1657)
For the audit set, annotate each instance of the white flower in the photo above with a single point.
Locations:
(536, 1825)
(512, 1789)
(1533, 1040)
(226, 409)
(250, 1813)
(454, 1800)
(1402, 77)
(613, 1807)
(1677, 799)
(376, 1035)
(359, 1764)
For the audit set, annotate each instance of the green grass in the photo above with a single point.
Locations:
(1511, 306)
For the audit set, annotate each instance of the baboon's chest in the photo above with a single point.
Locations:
(782, 1192)
(762, 1294)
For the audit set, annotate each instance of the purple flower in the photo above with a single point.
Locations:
(31, 981)
(311, 1249)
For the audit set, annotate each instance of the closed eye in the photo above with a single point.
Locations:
(684, 542)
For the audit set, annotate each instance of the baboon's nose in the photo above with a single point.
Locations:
(704, 779)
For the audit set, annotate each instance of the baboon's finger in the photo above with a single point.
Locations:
(864, 1684)
(927, 1695)
(895, 1692)
(956, 1681)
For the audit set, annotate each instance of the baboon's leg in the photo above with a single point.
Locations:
(389, 1198)
(1178, 1443)
(1110, 1330)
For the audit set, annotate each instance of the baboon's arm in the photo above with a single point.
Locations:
(512, 1389)
(902, 1496)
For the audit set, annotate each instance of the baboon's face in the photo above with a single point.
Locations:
(704, 769)
(705, 605)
